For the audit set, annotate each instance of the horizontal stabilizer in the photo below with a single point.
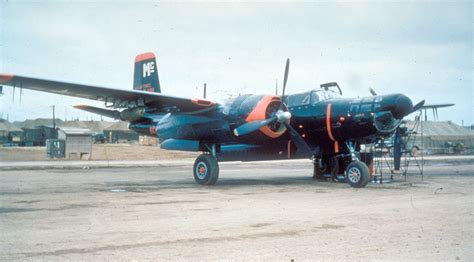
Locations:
(436, 106)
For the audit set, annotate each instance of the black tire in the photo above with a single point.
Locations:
(319, 167)
(206, 170)
(334, 168)
(357, 174)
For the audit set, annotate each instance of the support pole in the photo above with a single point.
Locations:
(54, 118)
(397, 150)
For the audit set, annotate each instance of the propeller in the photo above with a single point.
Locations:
(285, 79)
(281, 116)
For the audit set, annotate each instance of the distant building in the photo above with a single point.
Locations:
(32, 123)
(9, 133)
(441, 137)
(119, 132)
(37, 135)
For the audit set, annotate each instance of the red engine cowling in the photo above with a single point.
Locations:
(258, 107)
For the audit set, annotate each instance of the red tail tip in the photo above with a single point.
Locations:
(144, 56)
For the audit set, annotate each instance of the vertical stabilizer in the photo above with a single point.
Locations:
(146, 73)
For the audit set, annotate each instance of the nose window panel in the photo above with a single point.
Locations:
(377, 107)
(365, 108)
(354, 108)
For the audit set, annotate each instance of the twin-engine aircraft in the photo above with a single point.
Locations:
(317, 124)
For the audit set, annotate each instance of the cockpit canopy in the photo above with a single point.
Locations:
(311, 97)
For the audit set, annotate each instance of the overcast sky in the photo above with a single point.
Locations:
(422, 49)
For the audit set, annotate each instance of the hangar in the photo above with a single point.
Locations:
(442, 137)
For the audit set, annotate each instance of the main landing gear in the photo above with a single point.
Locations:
(206, 169)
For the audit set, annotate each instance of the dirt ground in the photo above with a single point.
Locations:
(99, 152)
(255, 212)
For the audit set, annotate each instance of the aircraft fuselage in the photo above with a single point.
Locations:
(321, 120)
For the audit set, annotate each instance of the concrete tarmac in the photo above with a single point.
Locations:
(259, 211)
(72, 164)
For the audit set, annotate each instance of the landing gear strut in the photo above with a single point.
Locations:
(345, 166)
(322, 166)
(206, 170)
(357, 173)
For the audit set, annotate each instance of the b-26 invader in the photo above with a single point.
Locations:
(318, 124)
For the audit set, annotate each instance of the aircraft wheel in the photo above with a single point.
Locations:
(357, 174)
(206, 170)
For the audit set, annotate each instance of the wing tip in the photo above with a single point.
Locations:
(5, 78)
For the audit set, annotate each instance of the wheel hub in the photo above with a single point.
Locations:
(201, 170)
(353, 174)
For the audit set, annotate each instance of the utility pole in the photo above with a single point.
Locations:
(54, 118)
(205, 87)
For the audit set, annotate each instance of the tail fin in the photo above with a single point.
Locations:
(146, 74)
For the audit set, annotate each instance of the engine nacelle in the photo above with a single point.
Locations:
(249, 108)
(132, 114)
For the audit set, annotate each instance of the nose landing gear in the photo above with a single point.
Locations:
(342, 167)
(357, 174)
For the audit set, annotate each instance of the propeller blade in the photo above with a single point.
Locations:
(253, 126)
(372, 92)
(419, 105)
(276, 87)
(285, 79)
(298, 140)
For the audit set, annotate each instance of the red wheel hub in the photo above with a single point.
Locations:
(202, 170)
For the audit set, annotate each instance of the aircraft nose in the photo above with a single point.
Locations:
(402, 106)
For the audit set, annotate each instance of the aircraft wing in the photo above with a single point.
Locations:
(118, 97)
